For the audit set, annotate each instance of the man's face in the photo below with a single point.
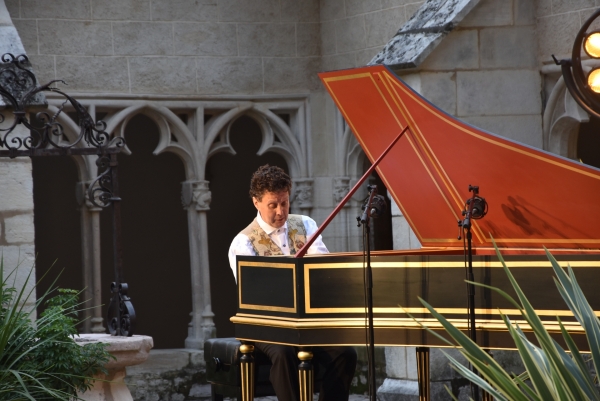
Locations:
(273, 207)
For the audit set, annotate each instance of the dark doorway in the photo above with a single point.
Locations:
(57, 223)
(588, 142)
(156, 258)
(382, 232)
(231, 210)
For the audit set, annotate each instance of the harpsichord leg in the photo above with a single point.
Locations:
(306, 375)
(423, 373)
(247, 371)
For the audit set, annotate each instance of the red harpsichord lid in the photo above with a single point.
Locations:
(535, 198)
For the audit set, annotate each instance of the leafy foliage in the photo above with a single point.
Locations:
(39, 360)
(552, 373)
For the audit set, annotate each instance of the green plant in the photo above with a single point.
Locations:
(39, 360)
(552, 373)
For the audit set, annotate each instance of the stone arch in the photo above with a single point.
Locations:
(354, 159)
(284, 123)
(86, 165)
(175, 136)
(561, 121)
(277, 137)
(354, 156)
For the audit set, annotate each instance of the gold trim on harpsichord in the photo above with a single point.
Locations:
(432, 158)
(366, 150)
(483, 325)
(393, 323)
(290, 266)
(458, 204)
(436, 265)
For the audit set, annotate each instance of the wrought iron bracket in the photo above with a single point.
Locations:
(121, 315)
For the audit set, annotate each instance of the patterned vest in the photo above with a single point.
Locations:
(262, 244)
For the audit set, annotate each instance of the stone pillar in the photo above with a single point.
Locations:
(302, 195)
(355, 240)
(17, 233)
(341, 224)
(92, 269)
(404, 236)
(196, 199)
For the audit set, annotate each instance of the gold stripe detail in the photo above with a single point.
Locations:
(456, 264)
(432, 158)
(423, 373)
(247, 381)
(271, 265)
(306, 381)
(433, 265)
(397, 323)
(379, 344)
(423, 149)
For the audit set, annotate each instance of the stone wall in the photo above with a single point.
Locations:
(353, 31)
(558, 22)
(17, 249)
(207, 47)
(173, 375)
(486, 73)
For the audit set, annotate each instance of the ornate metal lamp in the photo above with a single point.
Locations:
(584, 87)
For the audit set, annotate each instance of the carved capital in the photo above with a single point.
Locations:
(196, 194)
(81, 190)
(341, 187)
(303, 193)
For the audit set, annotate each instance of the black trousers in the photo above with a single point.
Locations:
(339, 364)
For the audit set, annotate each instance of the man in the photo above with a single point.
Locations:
(275, 232)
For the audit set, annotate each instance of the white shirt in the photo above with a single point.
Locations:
(241, 244)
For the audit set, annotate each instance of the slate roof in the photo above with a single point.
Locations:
(423, 32)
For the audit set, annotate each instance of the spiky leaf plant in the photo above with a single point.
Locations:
(552, 373)
(38, 358)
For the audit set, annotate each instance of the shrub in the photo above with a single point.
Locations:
(39, 360)
(552, 373)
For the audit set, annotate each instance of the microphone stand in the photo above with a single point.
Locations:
(364, 220)
(465, 224)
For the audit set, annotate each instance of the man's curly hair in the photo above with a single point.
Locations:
(269, 179)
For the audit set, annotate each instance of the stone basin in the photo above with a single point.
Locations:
(128, 351)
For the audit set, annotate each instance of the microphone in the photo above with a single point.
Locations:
(363, 217)
(378, 206)
(475, 208)
(374, 206)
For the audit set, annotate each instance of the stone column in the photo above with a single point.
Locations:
(341, 187)
(196, 199)
(90, 242)
(302, 195)
(404, 236)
